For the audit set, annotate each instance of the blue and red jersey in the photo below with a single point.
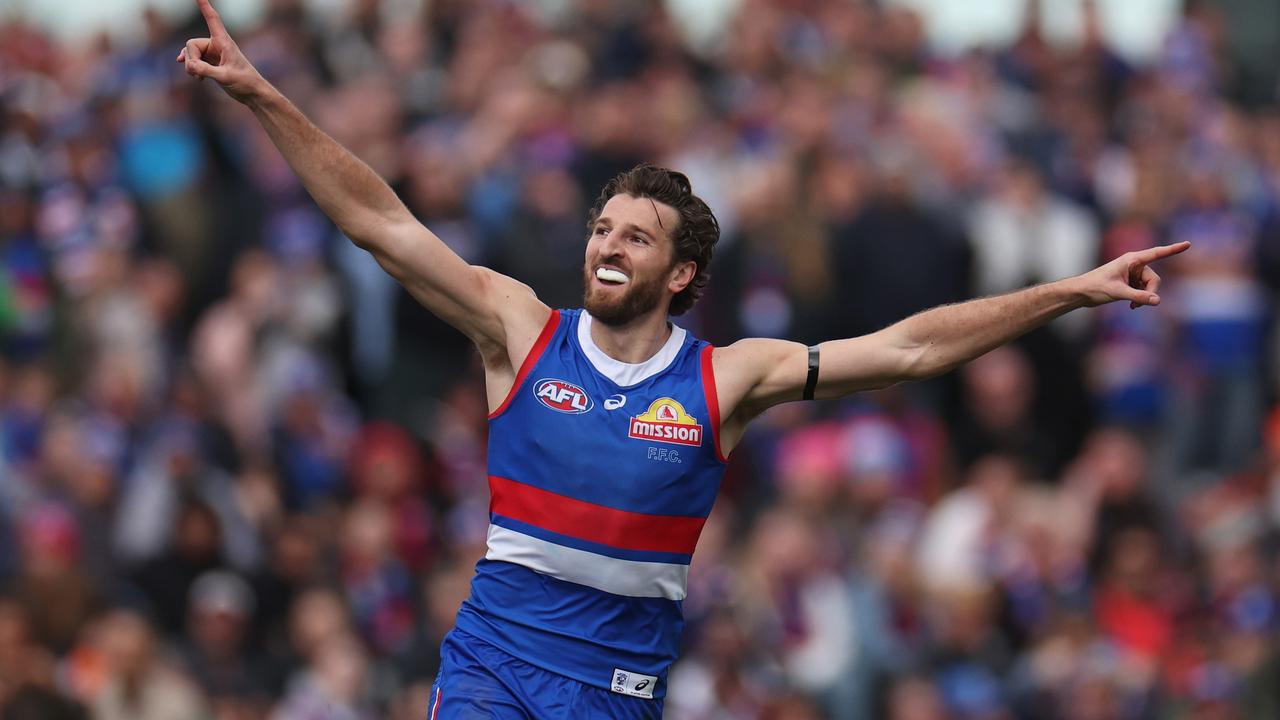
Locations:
(602, 474)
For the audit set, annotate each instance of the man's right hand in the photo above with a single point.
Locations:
(500, 315)
(218, 57)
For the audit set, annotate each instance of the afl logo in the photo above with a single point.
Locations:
(562, 396)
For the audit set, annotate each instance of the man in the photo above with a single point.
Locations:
(609, 425)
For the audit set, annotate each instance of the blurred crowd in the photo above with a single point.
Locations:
(242, 473)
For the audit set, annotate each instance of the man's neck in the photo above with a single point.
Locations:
(634, 342)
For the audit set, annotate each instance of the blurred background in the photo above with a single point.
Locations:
(242, 473)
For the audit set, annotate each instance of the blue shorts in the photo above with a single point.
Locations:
(478, 681)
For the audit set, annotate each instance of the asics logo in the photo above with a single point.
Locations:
(613, 402)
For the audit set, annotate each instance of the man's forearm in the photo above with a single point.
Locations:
(931, 342)
(345, 188)
(951, 335)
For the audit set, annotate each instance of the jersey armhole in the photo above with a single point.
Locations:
(713, 400)
(535, 352)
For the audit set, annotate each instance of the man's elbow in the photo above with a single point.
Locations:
(360, 231)
(920, 362)
(375, 232)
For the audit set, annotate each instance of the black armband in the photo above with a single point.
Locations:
(811, 382)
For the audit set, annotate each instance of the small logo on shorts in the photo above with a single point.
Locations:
(633, 684)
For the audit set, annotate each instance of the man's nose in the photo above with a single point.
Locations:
(613, 246)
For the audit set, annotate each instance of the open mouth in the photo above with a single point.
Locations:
(609, 276)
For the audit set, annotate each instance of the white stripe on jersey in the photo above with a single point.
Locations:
(620, 577)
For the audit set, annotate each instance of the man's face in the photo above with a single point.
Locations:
(631, 241)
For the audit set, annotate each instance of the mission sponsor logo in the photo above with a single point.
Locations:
(562, 396)
(666, 421)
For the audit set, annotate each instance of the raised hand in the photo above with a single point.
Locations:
(1128, 277)
(218, 57)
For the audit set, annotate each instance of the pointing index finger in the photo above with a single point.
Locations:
(1159, 252)
(211, 18)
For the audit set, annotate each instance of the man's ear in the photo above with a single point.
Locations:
(681, 275)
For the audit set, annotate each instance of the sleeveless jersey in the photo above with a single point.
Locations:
(602, 474)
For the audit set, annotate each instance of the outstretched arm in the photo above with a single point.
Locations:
(484, 305)
(753, 375)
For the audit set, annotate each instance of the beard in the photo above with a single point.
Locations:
(641, 296)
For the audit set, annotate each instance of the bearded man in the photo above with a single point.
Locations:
(610, 425)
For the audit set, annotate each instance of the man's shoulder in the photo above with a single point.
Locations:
(754, 350)
(742, 364)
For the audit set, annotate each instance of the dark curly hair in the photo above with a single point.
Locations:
(695, 238)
